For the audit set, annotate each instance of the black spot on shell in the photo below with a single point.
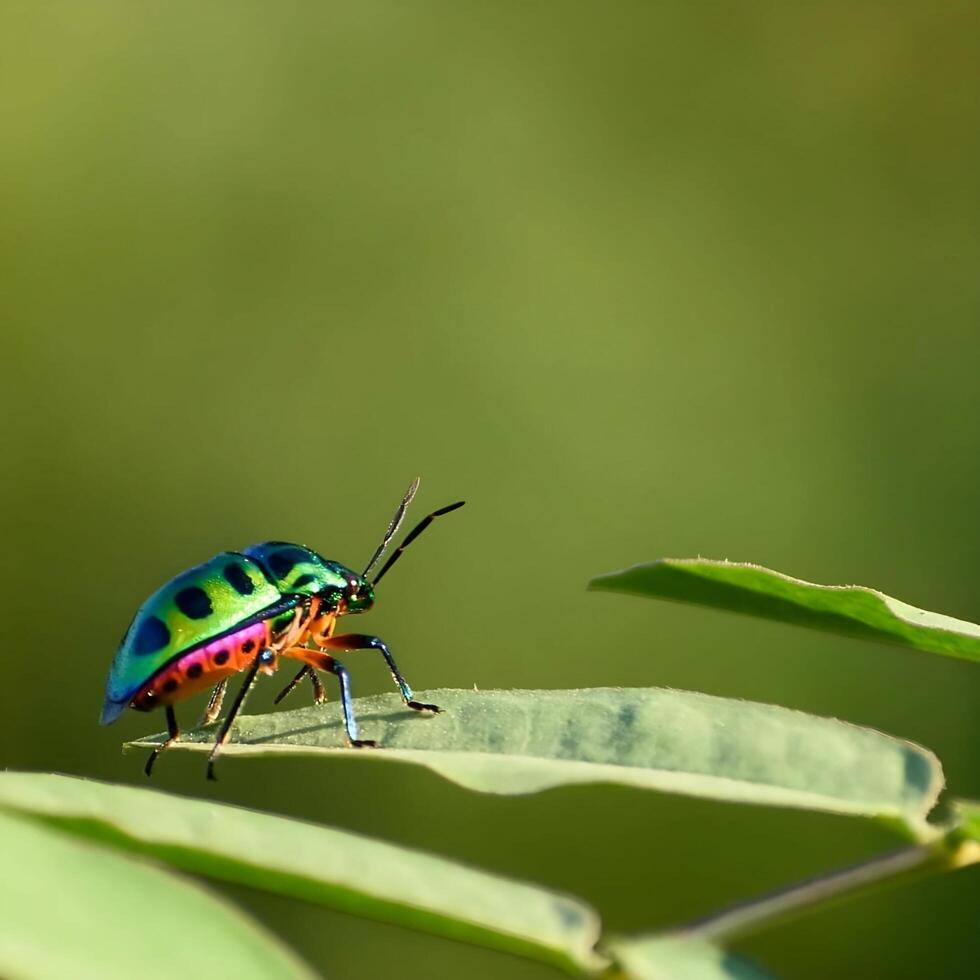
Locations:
(195, 670)
(194, 603)
(171, 685)
(221, 657)
(247, 647)
(281, 562)
(238, 579)
(303, 581)
(151, 636)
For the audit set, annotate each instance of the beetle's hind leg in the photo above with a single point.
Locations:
(213, 709)
(319, 692)
(173, 733)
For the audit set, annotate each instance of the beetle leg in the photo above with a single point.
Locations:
(265, 657)
(214, 703)
(322, 627)
(359, 641)
(295, 628)
(319, 660)
(173, 733)
(302, 618)
(319, 694)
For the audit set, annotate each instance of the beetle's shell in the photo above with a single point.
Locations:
(203, 666)
(295, 569)
(197, 606)
(203, 604)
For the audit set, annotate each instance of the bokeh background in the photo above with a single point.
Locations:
(635, 279)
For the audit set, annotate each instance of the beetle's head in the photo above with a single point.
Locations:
(359, 594)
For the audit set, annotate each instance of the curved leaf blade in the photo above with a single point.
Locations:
(756, 591)
(680, 958)
(69, 908)
(651, 738)
(322, 865)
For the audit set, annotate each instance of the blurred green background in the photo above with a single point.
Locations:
(635, 279)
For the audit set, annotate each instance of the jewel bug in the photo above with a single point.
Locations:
(242, 612)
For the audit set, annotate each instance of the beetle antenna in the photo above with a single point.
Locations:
(416, 531)
(395, 524)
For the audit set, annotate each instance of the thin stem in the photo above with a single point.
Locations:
(747, 917)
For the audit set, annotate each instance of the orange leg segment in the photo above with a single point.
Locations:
(349, 642)
(320, 629)
(318, 660)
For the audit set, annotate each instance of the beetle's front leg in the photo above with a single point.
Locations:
(360, 641)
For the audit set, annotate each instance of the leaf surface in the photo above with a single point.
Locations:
(651, 738)
(70, 908)
(319, 864)
(756, 591)
(680, 958)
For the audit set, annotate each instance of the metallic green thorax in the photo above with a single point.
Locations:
(296, 570)
(301, 571)
(266, 581)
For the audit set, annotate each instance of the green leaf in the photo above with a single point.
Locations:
(757, 591)
(676, 741)
(69, 908)
(330, 867)
(680, 958)
(968, 812)
(964, 836)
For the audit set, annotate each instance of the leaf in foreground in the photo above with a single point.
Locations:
(680, 958)
(69, 908)
(319, 864)
(757, 591)
(651, 738)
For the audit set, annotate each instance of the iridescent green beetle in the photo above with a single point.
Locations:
(242, 611)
